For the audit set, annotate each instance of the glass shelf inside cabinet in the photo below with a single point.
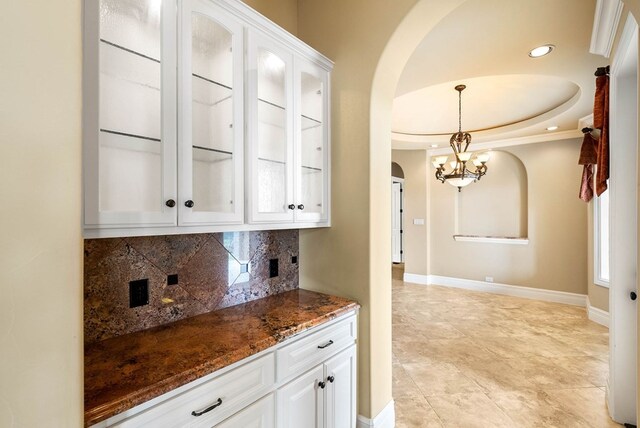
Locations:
(130, 113)
(213, 136)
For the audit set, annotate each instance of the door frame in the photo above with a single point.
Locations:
(622, 384)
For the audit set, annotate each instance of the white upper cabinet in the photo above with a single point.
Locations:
(200, 116)
(288, 138)
(312, 149)
(270, 130)
(129, 110)
(211, 75)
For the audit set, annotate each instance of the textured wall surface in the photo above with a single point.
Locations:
(214, 271)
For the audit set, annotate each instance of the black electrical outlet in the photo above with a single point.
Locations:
(172, 279)
(138, 293)
(294, 259)
(273, 268)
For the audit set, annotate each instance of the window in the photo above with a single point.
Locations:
(601, 241)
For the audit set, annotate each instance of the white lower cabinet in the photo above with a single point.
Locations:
(301, 401)
(322, 398)
(340, 398)
(308, 381)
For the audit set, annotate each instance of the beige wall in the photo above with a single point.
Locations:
(416, 174)
(370, 41)
(282, 12)
(556, 256)
(41, 245)
(499, 206)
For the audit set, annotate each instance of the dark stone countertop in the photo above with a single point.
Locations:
(125, 371)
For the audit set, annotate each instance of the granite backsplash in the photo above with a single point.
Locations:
(213, 271)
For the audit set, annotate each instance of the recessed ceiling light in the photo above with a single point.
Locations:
(434, 145)
(552, 128)
(541, 51)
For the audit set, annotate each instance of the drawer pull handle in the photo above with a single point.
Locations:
(329, 343)
(208, 409)
(330, 379)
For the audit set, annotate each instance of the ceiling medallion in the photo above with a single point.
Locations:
(461, 176)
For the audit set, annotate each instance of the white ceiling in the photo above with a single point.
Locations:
(484, 44)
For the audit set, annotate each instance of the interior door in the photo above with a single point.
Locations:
(396, 220)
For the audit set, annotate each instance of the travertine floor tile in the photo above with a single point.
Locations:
(415, 412)
(534, 409)
(403, 385)
(486, 360)
(440, 378)
(469, 411)
(587, 404)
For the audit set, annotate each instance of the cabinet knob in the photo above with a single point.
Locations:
(170, 203)
(301, 207)
(330, 379)
(322, 384)
(292, 207)
(189, 204)
(633, 295)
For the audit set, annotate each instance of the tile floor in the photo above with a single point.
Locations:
(469, 359)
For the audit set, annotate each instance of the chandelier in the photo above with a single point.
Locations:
(461, 176)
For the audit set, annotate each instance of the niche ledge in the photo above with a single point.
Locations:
(492, 239)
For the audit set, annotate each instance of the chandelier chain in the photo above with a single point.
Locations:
(459, 111)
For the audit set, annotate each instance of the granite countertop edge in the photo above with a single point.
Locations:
(104, 411)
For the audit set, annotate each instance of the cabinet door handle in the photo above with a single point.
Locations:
(208, 409)
(330, 379)
(170, 203)
(329, 343)
(300, 207)
(189, 204)
(292, 207)
(322, 384)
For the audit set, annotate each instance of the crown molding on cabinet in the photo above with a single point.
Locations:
(258, 21)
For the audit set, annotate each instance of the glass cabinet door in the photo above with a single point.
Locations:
(271, 131)
(129, 113)
(311, 175)
(211, 116)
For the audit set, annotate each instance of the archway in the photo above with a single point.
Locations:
(421, 19)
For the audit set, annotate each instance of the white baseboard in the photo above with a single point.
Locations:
(385, 419)
(505, 289)
(597, 315)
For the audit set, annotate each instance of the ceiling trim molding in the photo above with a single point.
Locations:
(508, 142)
(605, 26)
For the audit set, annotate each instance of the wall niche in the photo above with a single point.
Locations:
(497, 205)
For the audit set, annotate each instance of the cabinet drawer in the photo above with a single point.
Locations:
(258, 415)
(234, 390)
(311, 350)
